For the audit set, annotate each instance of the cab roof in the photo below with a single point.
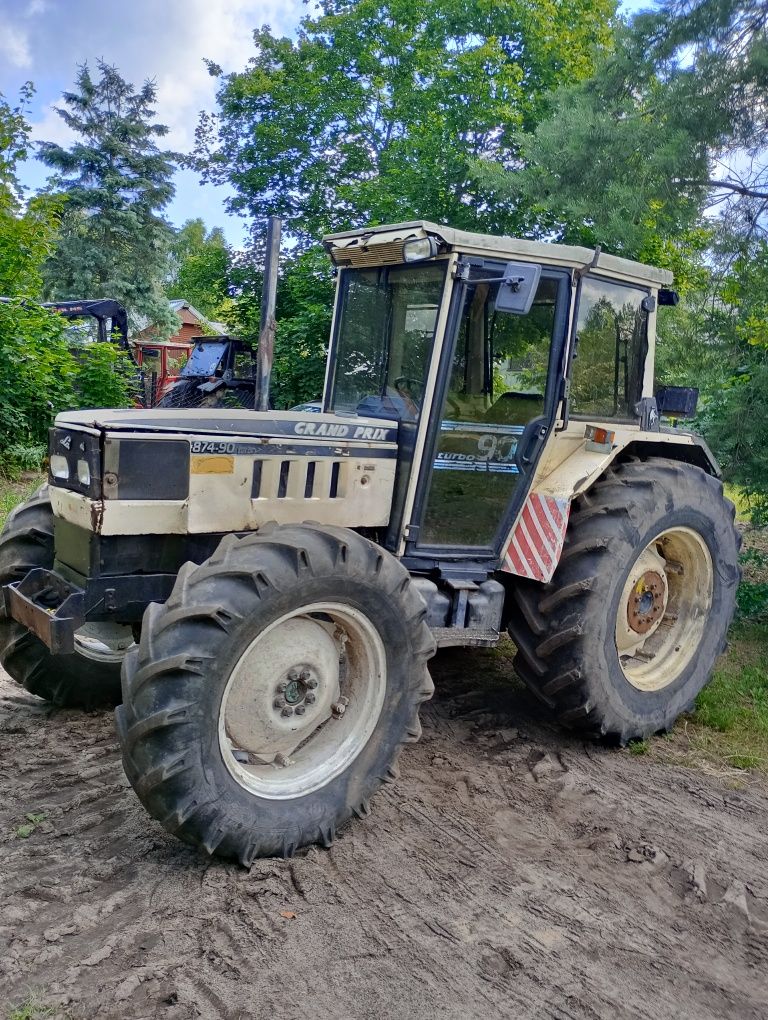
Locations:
(362, 247)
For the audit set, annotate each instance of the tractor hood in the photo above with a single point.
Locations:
(301, 425)
(165, 471)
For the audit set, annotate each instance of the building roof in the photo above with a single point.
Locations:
(490, 244)
(142, 322)
(177, 304)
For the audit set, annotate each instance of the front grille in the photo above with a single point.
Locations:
(359, 255)
(75, 448)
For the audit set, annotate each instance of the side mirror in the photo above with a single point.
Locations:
(668, 297)
(518, 288)
(677, 401)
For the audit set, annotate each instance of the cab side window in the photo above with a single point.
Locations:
(611, 345)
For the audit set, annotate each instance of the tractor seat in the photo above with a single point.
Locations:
(515, 408)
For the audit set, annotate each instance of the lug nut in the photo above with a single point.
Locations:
(300, 710)
(304, 675)
(287, 711)
(311, 683)
(293, 675)
(282, 688)
(309, 697)
(278, 703)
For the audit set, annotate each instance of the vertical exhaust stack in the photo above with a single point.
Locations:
(266, 350)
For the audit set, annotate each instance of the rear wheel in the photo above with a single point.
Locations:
(626, 634)
(270, 696)
(89, 678)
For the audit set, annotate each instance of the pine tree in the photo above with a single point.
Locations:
(114, 240)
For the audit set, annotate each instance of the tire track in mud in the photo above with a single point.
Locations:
(509, 872)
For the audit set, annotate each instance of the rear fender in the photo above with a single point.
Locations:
(567, 469)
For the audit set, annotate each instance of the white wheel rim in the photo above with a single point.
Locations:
(104, 642)
(664, 608)
(325, 662)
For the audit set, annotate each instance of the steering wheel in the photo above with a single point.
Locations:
(410, 389)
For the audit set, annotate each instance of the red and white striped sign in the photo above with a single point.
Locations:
(537, 538)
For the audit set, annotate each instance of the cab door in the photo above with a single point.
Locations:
(501, 383)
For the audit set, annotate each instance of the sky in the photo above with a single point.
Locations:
(166, 40)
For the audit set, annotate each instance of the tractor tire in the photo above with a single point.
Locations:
(80, 680)
(627, 632)
(235, 732)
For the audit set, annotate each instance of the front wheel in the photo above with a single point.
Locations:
(270, 696)
(626, 634)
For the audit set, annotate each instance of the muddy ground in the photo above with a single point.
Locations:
(513, 872)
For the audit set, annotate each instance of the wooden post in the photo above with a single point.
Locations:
(266, 349)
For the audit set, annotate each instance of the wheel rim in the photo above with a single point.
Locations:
(302, 700)
(104, 642)
(663, 609)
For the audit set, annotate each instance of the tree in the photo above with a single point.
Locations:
(672, 122)
(380, 109)
(199, 268)
(36, 369)
(114, 241)
(303, 314)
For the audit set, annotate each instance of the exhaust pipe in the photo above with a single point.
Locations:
(266, 349)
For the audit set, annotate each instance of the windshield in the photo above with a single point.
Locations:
(204, 359)
(387, 321)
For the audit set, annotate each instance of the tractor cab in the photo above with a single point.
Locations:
(481, 349)
(219, 372)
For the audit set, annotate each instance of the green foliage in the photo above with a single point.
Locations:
(116, 182)
(17, 458)
(303, 314)
(36, 369)
(752, 600)
(33, 819)
(636, 150)
(106, 376)
(638, 747)
(736, 700)
(33, 1008)
(199, 268)
(380, 109)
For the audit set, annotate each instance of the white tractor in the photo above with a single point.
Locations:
(271, 584)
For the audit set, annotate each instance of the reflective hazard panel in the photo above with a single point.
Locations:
(537, 539)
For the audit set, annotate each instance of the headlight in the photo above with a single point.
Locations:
(75, 461)
(59, 467)
(420, 248)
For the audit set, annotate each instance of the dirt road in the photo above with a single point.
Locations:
(512, 872)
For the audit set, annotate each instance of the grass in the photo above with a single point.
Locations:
(13, 493)
(730, 723)
(31, 1009)
(25, 830)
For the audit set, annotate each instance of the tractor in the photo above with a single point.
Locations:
(263, 590)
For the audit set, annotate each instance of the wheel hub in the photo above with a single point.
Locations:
(302, 700)
(663, 608)
(647, 601)
(279, 702)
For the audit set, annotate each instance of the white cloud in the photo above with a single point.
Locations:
(166, 41)
(14, 45)
(51, 128)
